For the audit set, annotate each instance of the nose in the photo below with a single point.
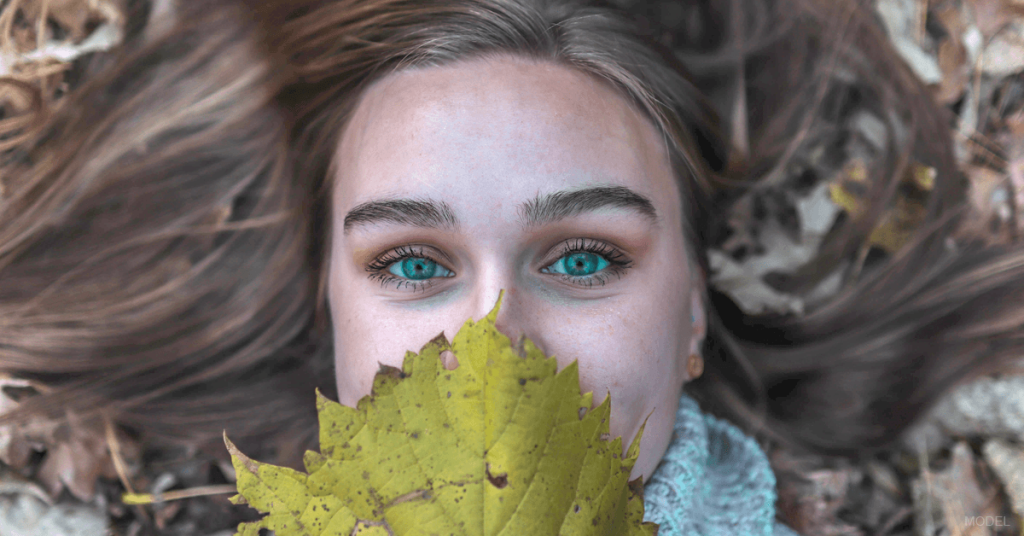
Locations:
(510, 319)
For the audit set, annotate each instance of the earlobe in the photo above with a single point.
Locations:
(694, 366)
(698, 330)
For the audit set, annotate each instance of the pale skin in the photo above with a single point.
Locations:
(486, 139)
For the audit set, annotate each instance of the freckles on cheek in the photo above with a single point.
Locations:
(608, 357)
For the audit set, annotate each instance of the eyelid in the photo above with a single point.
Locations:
(397, 253)
(615, 255)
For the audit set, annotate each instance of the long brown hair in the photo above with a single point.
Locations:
(163, 232)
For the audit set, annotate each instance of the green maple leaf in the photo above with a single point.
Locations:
(501, 444)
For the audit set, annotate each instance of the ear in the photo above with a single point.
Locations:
(699, 327)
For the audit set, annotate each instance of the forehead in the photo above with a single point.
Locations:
(482, 131)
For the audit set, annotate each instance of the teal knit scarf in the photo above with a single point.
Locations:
(712, 481)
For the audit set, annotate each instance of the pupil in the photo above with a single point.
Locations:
(581, 263)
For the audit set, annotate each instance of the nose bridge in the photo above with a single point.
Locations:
(487, 300)
(495, 277)
(510, 318)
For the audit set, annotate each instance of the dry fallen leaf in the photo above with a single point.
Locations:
(15, 449)
(76, 456)
(952, 495)
(812, 508)
(990, 215)
(1001, 27)
(76, 450)
(952, 57)
(991, 16)
(39, 59)
(810, 496)
(898, 224)
(74, 15)
(1008, 463)
(900, 18)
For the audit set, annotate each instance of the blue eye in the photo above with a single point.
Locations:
(586, 262)
(583, 263)
(416, 268)
(407, 266)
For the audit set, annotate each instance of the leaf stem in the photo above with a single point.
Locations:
(201, 491)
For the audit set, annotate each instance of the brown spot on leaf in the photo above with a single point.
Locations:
(246, 461)
(441, 341)
(637, 487)
(363, 524)
(499, 481)
(520, 346)
(391, 372)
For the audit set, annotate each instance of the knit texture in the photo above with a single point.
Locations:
(713, 481)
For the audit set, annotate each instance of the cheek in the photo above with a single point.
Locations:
(365, 337)
(630, 351)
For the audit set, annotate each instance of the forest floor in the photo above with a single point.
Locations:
(960, 472)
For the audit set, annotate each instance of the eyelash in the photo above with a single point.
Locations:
(617, 264)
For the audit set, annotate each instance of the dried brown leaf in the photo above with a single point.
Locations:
(952, 57)
(811, 508)
(74, 15)
(955, 494)
(902, 219)
(1012, 139)
(955, 72)
(18, 440)
(1007, 461)
(810, 496)
(990, 205)
(76, 450)
(991, 16)
(14, 449)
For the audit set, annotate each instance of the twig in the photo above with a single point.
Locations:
(979, 64)
(982, 142)
(895, 519)
(1012, 191)
(921, 21)
(44, 9)
(922, 457)
(115, 454)
(201, 491)
(119, 466)
(7, 45)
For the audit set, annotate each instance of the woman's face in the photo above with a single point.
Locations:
(457, 182)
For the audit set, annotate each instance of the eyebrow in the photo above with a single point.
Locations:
(541, 210)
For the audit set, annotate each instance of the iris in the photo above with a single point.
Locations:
(415, 268)
(582, 263)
